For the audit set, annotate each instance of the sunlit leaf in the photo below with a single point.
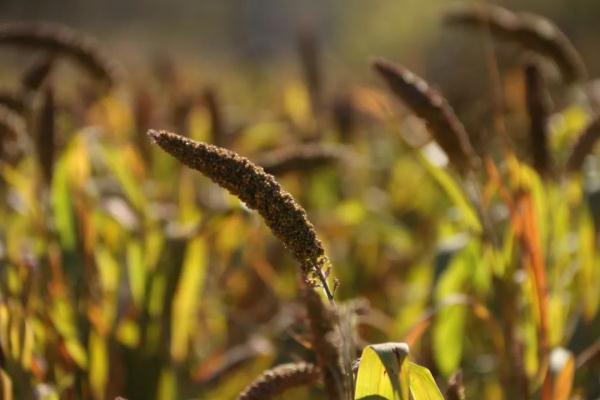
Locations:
(454, 193)
(77, 352)
(185, 302)
(28, 345)
(382, 372)
(128, 333)
(98, 368)
(167, 385)
(422, 384)
(116, 163)
(448, 337)
(6, 387)
(61, 204)
(297, 104)
(589, 272)
(136, 272)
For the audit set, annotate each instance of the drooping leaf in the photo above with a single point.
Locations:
(382, 373)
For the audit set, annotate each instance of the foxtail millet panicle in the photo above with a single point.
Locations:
(303, 157)
(61, 40)
(277, 380)
(532, 32)
(259, 191)
(443, 124)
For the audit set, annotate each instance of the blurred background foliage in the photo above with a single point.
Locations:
(127, 274)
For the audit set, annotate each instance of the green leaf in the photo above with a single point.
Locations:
(448, 335)
(61, 205)
(422, 384)
(122, 172)
(6, 386)
(454, 193)
(98, 365)
(136, 272)
(381, 373)
(186, 298)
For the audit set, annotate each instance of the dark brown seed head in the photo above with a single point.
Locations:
(532, 32)
(299, 158)
(584, 146)
(429, 105)
(276, 381)
(61, 41)
(539, 109)
(259, 191)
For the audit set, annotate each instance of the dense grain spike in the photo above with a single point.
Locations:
(584, 146)
(299, 158)
(37, 73)
(532, 32)
(430, 106)
(276, 381)
(325, 341)
(259, 191)
(45, 135)
(538, 108)
(61, 41)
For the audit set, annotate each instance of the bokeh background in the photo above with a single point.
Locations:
(250, 46)
(263, 32)
(169, 288)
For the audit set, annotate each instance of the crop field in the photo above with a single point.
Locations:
(300, 238)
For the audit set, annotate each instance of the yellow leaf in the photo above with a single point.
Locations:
(422, 384)
(382, 373)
